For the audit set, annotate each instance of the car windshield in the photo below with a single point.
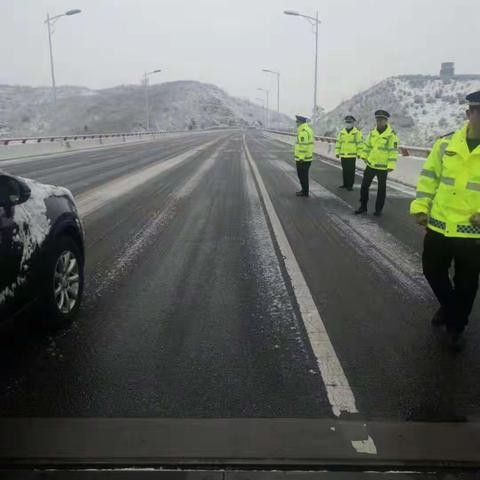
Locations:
(257, 222)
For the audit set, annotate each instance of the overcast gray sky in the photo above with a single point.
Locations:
(227, 42)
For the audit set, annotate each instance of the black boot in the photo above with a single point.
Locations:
(439, 318)
(300, 194)
(456, 341)
(361, 210)
(378, 213)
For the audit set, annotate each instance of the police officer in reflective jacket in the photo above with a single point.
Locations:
(448, 204)
(348, 148)
(304, 153)
(380, 153)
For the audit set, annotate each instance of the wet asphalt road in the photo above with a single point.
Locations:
(189, 311)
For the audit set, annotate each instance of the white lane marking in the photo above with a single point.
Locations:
(339, 393)
(160, 220)
(279, 301)
(96, 198)
(369, 239)
(365, 446)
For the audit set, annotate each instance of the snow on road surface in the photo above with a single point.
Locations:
(94, 199)
(161, 218)
(370, 240)
(339, 392)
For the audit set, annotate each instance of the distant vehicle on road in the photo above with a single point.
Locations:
(41, 252)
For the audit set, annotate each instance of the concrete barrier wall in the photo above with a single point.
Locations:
(407, 171)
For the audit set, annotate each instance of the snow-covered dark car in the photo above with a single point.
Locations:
(41, 252)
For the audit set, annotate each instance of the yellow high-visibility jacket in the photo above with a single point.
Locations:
(349, 143)
(305, 143)
(448, 189)
(380, 150)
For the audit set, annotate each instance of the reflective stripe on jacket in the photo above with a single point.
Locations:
(380, 150)
(305, 143)
(349, 143)
(448, 189)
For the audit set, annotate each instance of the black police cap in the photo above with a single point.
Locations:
(473, 99)
(350, 118)
(301, 118)
(382, 114)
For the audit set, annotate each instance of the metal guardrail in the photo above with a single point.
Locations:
(406, 151)
(24, 140)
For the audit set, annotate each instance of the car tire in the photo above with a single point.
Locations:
(56, 281)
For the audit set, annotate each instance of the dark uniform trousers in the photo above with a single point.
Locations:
(368, 175)
(456, 300)
(348, 168)
(302, 171)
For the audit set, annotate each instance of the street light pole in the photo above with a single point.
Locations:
(267, 119)
(266, 111)
(147, 113)
(278, 92)
(315, 22)
(50, 21)
(52, 70)
(147, 106)
(263, 103)
(315, 105)
(278, 86)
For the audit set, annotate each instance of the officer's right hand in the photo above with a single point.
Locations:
(421, 219)
(475, 219)
(338, 156)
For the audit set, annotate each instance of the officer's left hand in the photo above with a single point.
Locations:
(390, 169)
(475, 219)
(421, 219)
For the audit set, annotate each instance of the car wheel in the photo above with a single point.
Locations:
(62, 285)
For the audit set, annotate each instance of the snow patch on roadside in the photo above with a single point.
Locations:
(279, 302)
(365, 446)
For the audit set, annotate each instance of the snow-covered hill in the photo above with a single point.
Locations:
(174, 106)
(422, 107)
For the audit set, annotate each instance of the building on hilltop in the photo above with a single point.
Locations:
(447, 70)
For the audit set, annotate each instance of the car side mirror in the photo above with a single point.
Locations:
(13, 191)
